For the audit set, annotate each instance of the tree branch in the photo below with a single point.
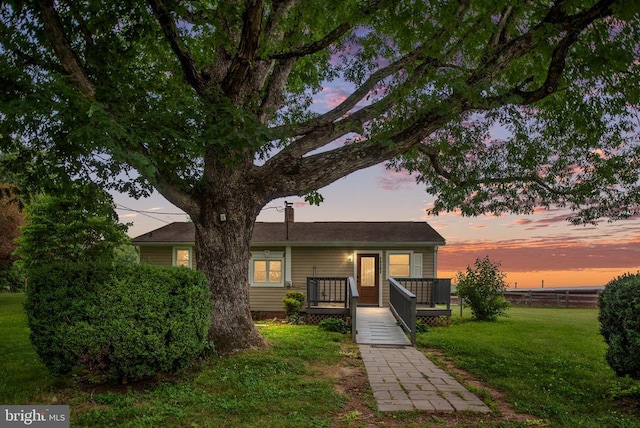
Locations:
(299, 175)
(273, 98)
(434, 160)
(574, 26)
(554, 72)
(316, 46)
(280, 10)
(249, 41)
(500, 36)
(192, 75)
(62, 47)
(351, 100)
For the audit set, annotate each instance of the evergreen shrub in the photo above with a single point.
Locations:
(117, 323)
(293, 301)
(619, 318)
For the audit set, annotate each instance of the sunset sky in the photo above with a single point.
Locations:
(531, 249)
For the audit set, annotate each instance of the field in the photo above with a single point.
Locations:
(538, 367)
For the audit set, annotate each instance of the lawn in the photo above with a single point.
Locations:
(548, 363)
(290, 385)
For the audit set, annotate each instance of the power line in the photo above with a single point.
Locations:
(123, 208)
(144, 213)
(148, 213)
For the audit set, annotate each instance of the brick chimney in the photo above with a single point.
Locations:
(288, 212)
(288, 217)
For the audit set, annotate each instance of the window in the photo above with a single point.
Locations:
(400, 265)
(267, 268)
(182, 257)
(267, 271)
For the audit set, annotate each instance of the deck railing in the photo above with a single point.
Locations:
(327, 290)
(353, 306)
(429, 291)
(402, 303)
(330, 291)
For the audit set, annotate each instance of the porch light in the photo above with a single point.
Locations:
(350, 259)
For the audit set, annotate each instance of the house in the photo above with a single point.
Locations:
(286, 256)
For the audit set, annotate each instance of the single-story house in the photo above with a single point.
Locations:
(285, 255)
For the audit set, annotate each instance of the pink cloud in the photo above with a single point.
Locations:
(332, 96)
(548, 254)
(395, 180)
(521, 222)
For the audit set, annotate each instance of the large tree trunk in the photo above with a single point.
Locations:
(222, 253)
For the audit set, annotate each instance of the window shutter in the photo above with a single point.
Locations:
(416, 266)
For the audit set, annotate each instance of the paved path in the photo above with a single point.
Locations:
(401, 377)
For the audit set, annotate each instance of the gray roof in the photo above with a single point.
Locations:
(316, 233)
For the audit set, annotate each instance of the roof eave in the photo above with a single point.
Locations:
(309, 244)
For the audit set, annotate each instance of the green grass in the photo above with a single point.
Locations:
(23, 377)
(548, 362)
(280, 387)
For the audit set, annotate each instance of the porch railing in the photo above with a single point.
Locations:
(337, 292)
(353, 307)
(429, 291)
(402, 303)
(327, 290)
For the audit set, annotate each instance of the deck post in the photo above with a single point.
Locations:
(353, 307)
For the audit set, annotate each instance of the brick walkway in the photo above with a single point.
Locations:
(403, 378)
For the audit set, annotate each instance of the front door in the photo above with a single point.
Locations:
(368, 278)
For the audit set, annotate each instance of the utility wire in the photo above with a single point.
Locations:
(148, 213)
(123, 208)
(144, 213)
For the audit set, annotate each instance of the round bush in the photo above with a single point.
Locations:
(619, 318)
(118, 323)
(482, 287)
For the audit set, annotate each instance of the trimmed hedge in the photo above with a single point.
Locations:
(118, 323)
(619, 318)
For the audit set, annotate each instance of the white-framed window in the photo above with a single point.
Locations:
(404, 264)
(183, 256)
(267, 269)
(399, 264)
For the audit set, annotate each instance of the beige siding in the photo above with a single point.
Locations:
(161, 256)
(262, 298)
(428, 256)
(306, 262)
(267, 298)
(326, 261)
(319, 262)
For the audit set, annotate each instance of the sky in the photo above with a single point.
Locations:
(541, 249)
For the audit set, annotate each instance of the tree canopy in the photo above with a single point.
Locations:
(140, 95)
(72, 227)
(497, 106)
